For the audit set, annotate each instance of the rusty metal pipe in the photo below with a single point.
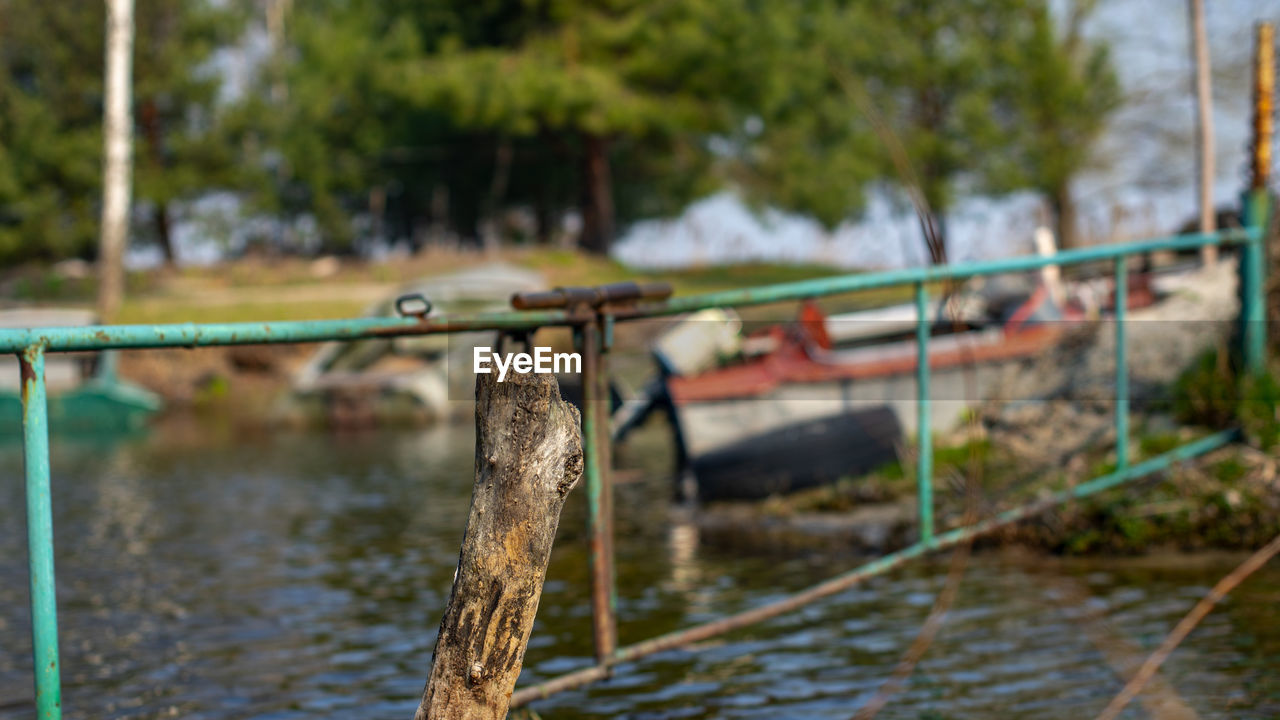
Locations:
(597, 296)
(839, 583)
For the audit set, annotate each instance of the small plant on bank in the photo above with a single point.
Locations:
(1206, 393)
(1210, 393)
(1259, 409)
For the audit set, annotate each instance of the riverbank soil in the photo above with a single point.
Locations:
(1228, 499)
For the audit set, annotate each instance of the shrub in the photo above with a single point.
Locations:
(1210, 393)
(1207, 393)
(1259, 409)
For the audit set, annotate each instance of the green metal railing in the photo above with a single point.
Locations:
(592, 314)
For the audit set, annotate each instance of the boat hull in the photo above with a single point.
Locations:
(96, 407)
(798, 456)
(845, 425)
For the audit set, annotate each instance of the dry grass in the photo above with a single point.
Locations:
(304, 289)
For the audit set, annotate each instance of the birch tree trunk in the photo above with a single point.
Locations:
(1204, 128)
(528, 458)
(117, 157)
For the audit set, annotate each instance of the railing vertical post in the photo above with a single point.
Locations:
(44, 606)
(1253, 290)
(1122, 364)
(604, 437)
(924, 434)
(1256, 206)
(599, 509)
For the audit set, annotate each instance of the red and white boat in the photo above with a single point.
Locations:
(808, 402)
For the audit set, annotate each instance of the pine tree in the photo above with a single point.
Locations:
(51, 96)
(1063, 91)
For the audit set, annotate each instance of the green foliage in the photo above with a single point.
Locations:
(1226, 508)
(51, 66)
(1062, 91)
(940, 96)
(50, 138)
(428, 115)
(502, 104)
(1207, 393)
(182, 148)
(1210, 393)
(1259, 409)
(1159, 443)
(498, 104)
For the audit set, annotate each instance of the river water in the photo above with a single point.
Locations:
(206, 574)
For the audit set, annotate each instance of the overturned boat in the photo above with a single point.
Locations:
(805, 403)
(409, 380)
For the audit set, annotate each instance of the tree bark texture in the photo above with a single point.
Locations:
(933, 226)
(117, 167)
(528, 458)
(1064, 216)
(1204, 129)
(150, 122)
(597, 195)
(164, 235)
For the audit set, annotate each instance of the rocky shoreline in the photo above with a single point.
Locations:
(1228, 499)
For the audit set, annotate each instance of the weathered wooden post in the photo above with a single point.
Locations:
(528, 458)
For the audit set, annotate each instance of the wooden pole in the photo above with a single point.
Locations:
(528, 458)
(1204, 129)
(1264, 101)
(117, 166)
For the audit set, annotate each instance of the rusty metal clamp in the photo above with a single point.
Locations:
(593, 297)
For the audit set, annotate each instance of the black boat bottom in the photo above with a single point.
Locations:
(799, 456)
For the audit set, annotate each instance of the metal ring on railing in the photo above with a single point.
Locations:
(413, 305)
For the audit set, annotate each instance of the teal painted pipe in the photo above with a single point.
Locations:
(924, 433)
(1191, 450)
(44, 606)
(1253, 290)
(603, 624)
(102, 337)
(783, 292)
(1122, 364)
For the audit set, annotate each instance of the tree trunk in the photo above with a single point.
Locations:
(277, 12)
(1204, 129)
(934, 228)
(117, 157)
(528, 458)
(164, 235)
(1064, 216)
(149, 120)
(542, 215)
(597, 195)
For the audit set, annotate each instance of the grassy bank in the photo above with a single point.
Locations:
(218, 379)
(298, 289)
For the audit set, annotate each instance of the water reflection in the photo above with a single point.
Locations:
(212, 574)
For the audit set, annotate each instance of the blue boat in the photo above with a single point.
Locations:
(86, 395)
